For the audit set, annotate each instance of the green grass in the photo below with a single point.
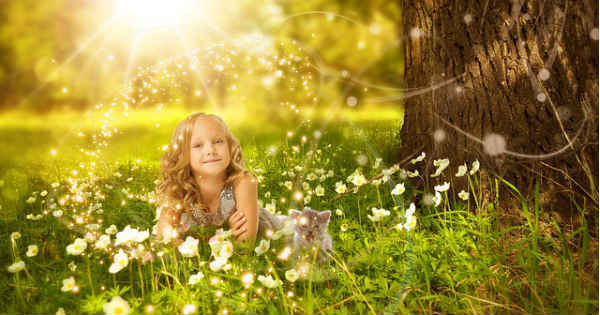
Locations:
(458, 258)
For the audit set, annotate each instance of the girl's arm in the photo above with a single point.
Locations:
(167, 222)
(246, 199)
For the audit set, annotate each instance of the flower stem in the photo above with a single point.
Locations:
(89, 274)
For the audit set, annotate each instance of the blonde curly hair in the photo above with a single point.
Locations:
(177, 184)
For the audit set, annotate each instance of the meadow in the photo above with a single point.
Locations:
(448, 253)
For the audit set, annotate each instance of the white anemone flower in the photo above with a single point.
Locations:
(68, 284)
(437, 199)
(77, 248)
(443, 187)
(189, 248)
(462, 170)
(398, 189)
(269, 282)
(411, 209)
(32, 250)
(111, 230)
(340, 188)
(218, 264)
(475, 167)
(418, 158)
(412, 174)
(102, 242)
(116, 306)
(226, 250)
(195, 279)
(141, 236)
(120, 261)
(378, 214)
(411, 222)
(291, 275)
(262, 247)
(441, 165)
(16, 267)
(320, 191)
(126, 236)
(463, 195)
(359, 179)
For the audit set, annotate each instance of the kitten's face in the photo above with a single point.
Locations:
(310, 224)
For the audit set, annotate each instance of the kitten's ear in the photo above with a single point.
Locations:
(294, 213)
(324, 216)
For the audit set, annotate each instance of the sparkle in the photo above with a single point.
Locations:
(351, 101)
(53, 152)
(189, 309)
(298, 195)
(541, 97)
(494, 144)
(439, 135)
(468, 18)
(544, 74)
(594, 33)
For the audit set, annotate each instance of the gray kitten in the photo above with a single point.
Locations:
(310, 228)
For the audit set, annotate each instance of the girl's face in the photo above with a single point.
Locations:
(209, 149)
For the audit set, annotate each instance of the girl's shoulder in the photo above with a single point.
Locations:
(244, 182)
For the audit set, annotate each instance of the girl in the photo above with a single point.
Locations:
(204, 182)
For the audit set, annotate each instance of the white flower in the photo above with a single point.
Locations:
(344, 227)
(398, 189)
(60, 311)
(226, 250)
(262, 247)
(330, 173)
(311, 177)
(15, 235)
(412, 174)
(339, 212)
(320, 191)
(189, 248)
(288, 185)
(32, 250)
(57, 213)
(54, 185)
(306, 186)
(72, 266)
(16, 267)
(411, 209)
(443, 187)
(116, 306)
(291, 275)
(111, 230)
(30, 200)
(307, 199)
(103, 242)
(340, 187)
(141, 236)
(475, 167)
(271, 207)
(359, 180)
(126, 236)
(378, 214)
(411, 222)
(441, 164)
(194, 279)
(437, 199)
(68, 284)
(418, 158)
(462, 170)
(44, 193)
(218, 264)
(463, 195)
(269, 282)
(288, 229)
(120, 261)
(77, 248)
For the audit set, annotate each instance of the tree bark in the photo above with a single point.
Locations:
(499, 52)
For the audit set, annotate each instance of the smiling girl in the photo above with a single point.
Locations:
(204, 182)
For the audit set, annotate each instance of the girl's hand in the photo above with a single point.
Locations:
(237, 223)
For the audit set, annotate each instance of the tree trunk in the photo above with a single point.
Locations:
(526, 71)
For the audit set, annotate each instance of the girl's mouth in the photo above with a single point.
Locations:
(212, 161)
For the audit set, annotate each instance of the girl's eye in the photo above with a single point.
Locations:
(219, 141)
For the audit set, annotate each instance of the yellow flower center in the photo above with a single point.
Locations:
(118, 310)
